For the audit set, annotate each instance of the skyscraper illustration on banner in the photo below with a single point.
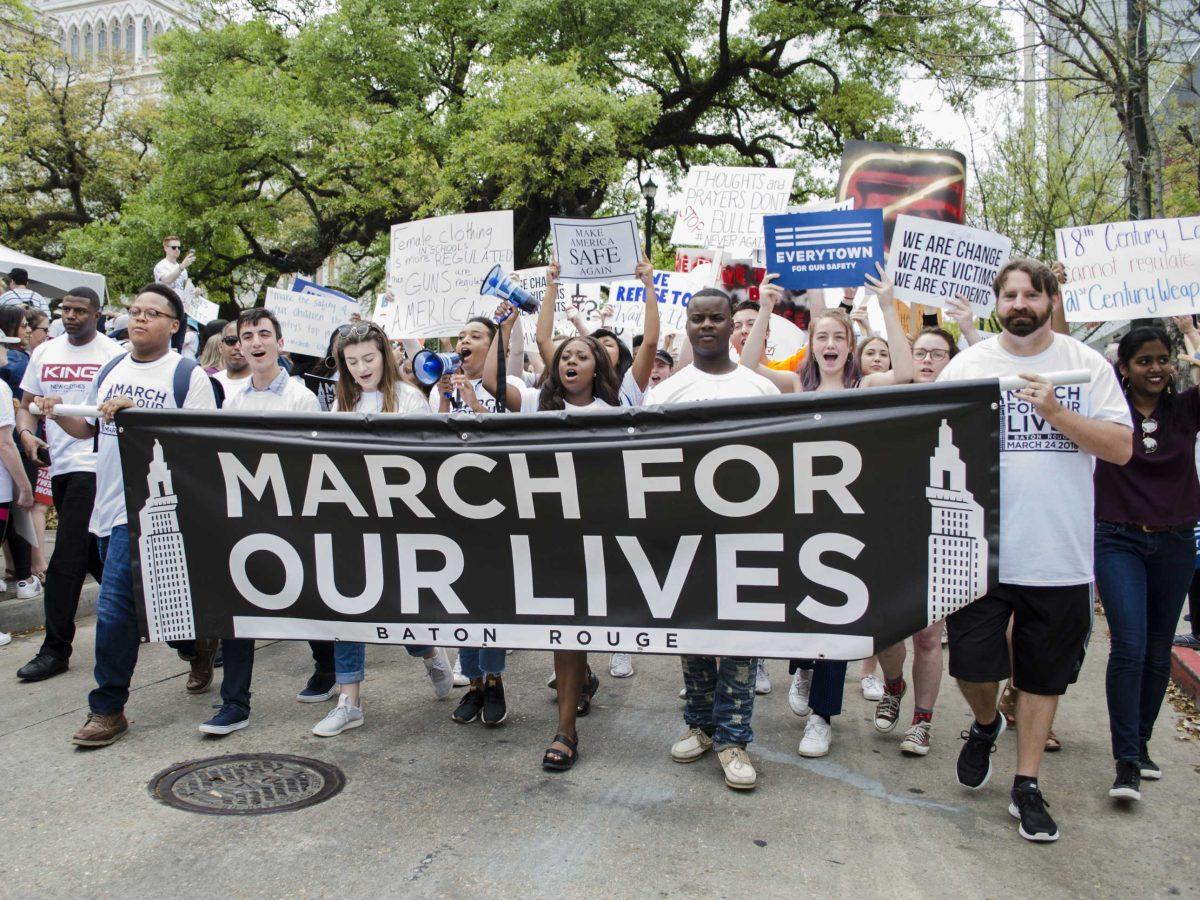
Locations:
(165, 582)
(958, 548)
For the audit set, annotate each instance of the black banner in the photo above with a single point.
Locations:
(797, 526)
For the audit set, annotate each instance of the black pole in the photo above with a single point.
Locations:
(501, 367)
(649, 223)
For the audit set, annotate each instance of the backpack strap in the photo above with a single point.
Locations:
(183, 379)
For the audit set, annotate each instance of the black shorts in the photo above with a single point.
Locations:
(1050, 629)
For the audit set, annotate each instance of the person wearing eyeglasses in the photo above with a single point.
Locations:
(1145, 554)
(144, 378)
(932, 351)
(171, 270)
(1050, 438)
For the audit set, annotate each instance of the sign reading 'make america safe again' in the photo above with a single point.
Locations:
(784, 527)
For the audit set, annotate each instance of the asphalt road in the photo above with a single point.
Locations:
(434, 808)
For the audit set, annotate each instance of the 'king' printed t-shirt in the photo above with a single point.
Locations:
(60, 369)
(1046, 497)
(151, 385)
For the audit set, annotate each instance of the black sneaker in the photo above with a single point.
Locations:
(494, 710)
(1148, 768)
(975, 758)
(1029, 806)
(1129, 781)
(468, 709)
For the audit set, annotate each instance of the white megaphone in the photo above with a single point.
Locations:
(497, 284)
(429, 367)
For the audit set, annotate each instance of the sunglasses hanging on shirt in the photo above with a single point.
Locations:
(1149, 443)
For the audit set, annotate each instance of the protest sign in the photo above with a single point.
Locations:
(723, 206)
(673, 289)
(308, 320)
(586, 297)
(824, 249)
(932, 261)
(1130, 270)
(596, 251)
(435, 269)
(784, 339)
(303, 286)
(200, 307)
(759, 526)
(929, 184)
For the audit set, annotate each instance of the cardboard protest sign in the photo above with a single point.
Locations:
(929, 184)
(308, 320)
(596, 251)
(435, 269)
(932, 261)
(200, 307)
(586, 296)
(1130, 270)
(673, 289)
(304, 286)
(824, 249)
(723, 206)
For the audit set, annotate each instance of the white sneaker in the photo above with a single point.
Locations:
(693, 745)
(799, 691)
(460, 680)
(339, 718)
(762, 683)
(683, 693)
(3, 586)
(872, 688)
(5, 638)
(438, 669)
(621, 665)
(739, 771)
(27, 590)
(817, 735)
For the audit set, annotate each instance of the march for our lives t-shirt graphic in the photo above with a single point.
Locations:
(143, 396)
(1023, 428)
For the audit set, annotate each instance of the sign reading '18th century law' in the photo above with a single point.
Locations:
(823, 525)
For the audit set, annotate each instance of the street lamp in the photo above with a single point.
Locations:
(649, 190)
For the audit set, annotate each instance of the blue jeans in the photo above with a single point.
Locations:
(1143, 579)
(720, 699)
(117, 634)
(350, 660)
(477, 662)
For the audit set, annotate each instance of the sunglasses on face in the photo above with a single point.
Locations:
(173, 247)
(230, 340)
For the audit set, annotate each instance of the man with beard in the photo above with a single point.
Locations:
(1049, 438)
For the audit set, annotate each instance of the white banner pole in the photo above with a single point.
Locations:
(1071, 376)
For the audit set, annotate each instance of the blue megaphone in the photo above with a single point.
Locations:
(429, 367)
(497, 284)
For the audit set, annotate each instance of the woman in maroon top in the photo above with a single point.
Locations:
(1145, 512)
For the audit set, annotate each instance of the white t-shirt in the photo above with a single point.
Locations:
(408, 400)
(531, 397)
(59, 368)
(690, 384)
(162, 267)
(488, 401)
(231, 385)
(152, 386)
(1046, 498)
(631, 394)
(295, 397)
(7, 419)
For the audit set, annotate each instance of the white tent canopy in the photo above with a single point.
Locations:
(47, 279)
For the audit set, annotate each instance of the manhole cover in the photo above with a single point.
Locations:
(247, 784)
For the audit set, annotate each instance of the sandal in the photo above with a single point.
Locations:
(1053, 744)
(584, 706)
(1008, 705)
(555, 760)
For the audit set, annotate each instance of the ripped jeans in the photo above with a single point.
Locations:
(720, 698)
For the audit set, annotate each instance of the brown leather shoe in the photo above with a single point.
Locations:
(201, 675)
(100, 731)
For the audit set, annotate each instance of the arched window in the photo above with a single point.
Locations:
(87, 41)
(115, 30)
(145, 38)
(130, 42)
(101, 40)
(158, 29)
(74, 42)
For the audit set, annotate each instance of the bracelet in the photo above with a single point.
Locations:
(24, 431)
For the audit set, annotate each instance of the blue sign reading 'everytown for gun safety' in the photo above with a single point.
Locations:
(824, 249)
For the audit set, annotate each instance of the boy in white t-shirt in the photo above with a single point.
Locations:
(236, 370)
(1049, 439)
(145, 378)
(65, 367)
(724, 726)
(269, 388)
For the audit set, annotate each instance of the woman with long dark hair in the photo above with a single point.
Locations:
(1145, 514)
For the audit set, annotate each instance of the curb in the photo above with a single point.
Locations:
(17, 616)
(1185, 671)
